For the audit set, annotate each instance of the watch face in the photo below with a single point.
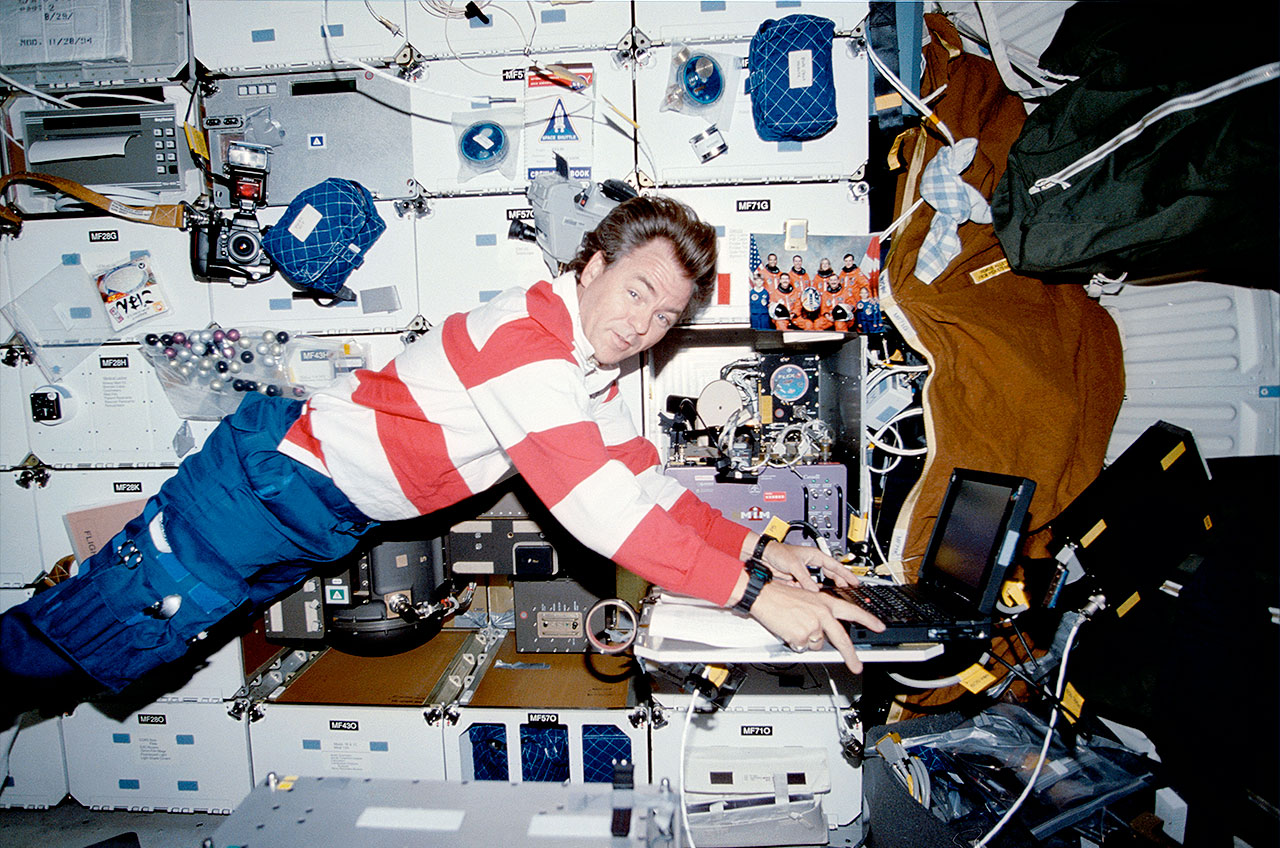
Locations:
(789, 383)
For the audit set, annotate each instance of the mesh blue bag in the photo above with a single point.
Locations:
(323, 236)
(792, 83)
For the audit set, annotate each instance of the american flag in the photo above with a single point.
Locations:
(870, 265)
(753, 261)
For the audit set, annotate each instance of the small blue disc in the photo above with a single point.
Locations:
(484, 143)
(703, 80)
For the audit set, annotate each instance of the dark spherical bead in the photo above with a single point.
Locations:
(246, 356)
(273, 390)
(166, 340)
(282, 337)
(152, 339)
(238, 385)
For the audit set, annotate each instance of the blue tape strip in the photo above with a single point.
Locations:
(120, 738)
(260, 35)
(486, 239)
(80, 313)
(311, 744)
(188, 786)
(712, 6)
(553, 16)
(70, 259)
(790, 147)
(186, 739)
(278, 304)
(334, 31)
(379, 746)
(129, 784)
(1268, 391)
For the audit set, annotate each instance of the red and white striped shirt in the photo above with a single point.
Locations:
(510, 387)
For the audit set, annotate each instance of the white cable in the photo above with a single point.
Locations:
(907, 95)
(684, 742)
(939, 683)
(874, 438)
(36, 92)
(1048, 738)
(896, 459)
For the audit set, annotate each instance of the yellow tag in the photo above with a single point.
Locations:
(1127, 605)
(195, 141)
(717, 674)
(766, 409)
(1093, 534)
(858, 529)
(1172, 456)
(1073, 701)
(776, 528)
(859, 570)
(888, 101)
(986, 272)
(1208, 524)
(1014, 594)
(975, 678)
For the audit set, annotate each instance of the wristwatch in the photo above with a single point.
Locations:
(758, 575)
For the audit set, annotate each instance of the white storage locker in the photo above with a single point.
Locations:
(20, 560)
(1202, 356)
(167, 755)
(465, 256)
(827, 209)
(113, 411)
(230, 36)
(718, 20)
(595, 141)
(102, 242)
(669, 155)
(74, 490)
(15, 410)
(37, 777)
(386, 297)
(441, 30)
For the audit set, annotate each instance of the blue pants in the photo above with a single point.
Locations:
(244, 523)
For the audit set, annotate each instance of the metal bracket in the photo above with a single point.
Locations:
(32, 471)
(416, 202)
(15, 352)
(417, 327)
(632, 49)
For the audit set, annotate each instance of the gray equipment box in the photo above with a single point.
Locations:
(293, 114)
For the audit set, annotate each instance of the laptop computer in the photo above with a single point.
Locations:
(974, 540)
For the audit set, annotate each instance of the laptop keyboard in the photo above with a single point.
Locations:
(893, 604)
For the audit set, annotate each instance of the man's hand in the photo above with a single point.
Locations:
(807, 621)
(791, 563)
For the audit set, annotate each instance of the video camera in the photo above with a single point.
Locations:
(226, 245)
(564, 211)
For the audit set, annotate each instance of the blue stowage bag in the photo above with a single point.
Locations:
(792, 83)
(323, 236)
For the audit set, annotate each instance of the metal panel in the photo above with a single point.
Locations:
(1203, 356)
(514, 28)
(713, 20)
(738, 211)
(466, 88)
(385, 278)
(465, 257)
(270, 35)
(668, 154)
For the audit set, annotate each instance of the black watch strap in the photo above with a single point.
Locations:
(758, 574)
(761, 543)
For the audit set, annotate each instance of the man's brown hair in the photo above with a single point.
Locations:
(640, 220)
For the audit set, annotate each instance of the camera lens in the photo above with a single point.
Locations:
(243, 246)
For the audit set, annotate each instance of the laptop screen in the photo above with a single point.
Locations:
(976, 534)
